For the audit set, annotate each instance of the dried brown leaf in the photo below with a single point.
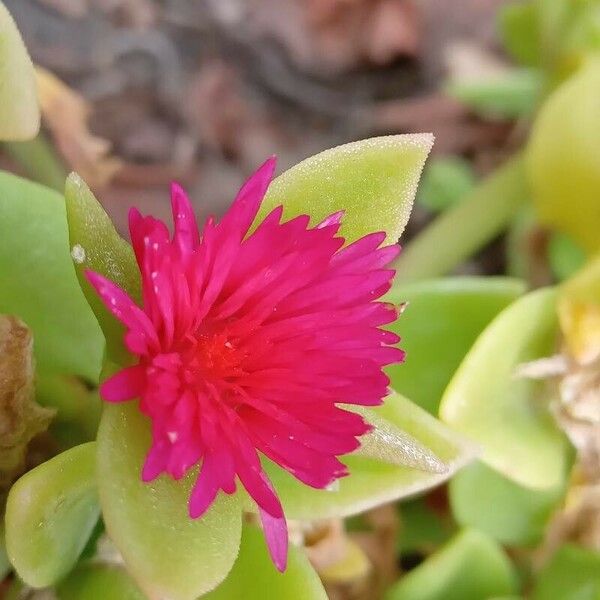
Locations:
(66, 114)
(21, 418)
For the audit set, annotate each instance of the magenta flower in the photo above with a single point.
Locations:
(247, 344)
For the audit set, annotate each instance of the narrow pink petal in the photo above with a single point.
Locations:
(186, 236)
(125, 385)
(276, 536)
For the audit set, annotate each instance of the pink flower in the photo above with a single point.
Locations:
(247, 344)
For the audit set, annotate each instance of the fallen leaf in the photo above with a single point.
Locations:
(66, 113)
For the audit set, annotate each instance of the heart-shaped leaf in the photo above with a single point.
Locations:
(169, 554)
(505, 413)
(519, 514)
(254, 576)
(373, 181)
(442, 320)
(470, 567)
(99, 582)
(96, 245)
(373, 482)
(39, 284)
(19, 109)
(50, 514)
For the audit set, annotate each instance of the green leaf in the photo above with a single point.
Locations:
(373, 181)
(565, 256)
(465, 228)
(470, 567)
(96, 245)
(254, 577)
(422, 528)
(167, 553)
(445, 182)
(374, 482)
(50, 514)
(508, 414)
(39, 283)
(19, 110)
(78, 408)
(99, 582)
(566, 184)
(512, 95)
(519, 514)
(519, 30)
(442, 320)
(572, 574)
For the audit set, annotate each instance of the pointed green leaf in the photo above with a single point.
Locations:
(99, 582)
(50, 513)
(19, 110)
(96, 245)
(39, 283)
(520, 514)
(572, 574)
(470, 567)
(373, 181)
(507, 414)
(374, 482)
(167, 553)
(254, 577)
(442, 320)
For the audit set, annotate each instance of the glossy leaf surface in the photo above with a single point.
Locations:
(505, 413)
(511, 514)
(442, 320)
(254, 576)
(50, 514)
(167, 553)
(470, 567)
(373, 482)
(40, 285)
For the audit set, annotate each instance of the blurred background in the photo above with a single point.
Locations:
(137, 93)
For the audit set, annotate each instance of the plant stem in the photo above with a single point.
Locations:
(464, 229)
(39, 161)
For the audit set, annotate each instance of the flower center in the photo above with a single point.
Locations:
(216, 357)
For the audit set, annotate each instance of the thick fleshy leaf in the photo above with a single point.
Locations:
(572, 574)
(566, 184)
(19, 109)
(50, 514)
(511, 514)
(39, 283)
(505, 413)
(254, 577)
(169, 554)
(442, 320)
(99, 582)
(373, 482)
(96, 245)
(519, 29)
(470, 567)
(373, 181)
